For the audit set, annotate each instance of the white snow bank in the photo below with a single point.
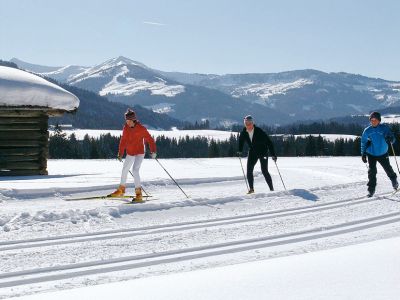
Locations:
(75, 216)
(365, 272)
(392, 118)
(218, 135)
(330, 137)
(20, 88)
(209, 134)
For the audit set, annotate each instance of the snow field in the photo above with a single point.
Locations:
(49, 244)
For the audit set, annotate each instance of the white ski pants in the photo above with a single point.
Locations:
(135, 161)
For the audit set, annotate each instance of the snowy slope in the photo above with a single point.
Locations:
(130, 82)
(276, 98)
(303, 94)
(327, 136)
(122, 76)
(49, 244)
(210, 134)
(218, 135)
(391, 118)
(20, 88)
(66, 73)
(358, 272)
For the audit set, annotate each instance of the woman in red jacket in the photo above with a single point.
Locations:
(134, 137)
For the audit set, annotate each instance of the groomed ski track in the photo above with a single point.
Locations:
(213, 231)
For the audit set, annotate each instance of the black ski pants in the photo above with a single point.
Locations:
(385, 163)
(251, 162)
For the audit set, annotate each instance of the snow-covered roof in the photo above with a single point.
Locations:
(20, 88)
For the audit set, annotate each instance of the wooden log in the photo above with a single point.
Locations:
(21, 151)
(20, 165)
(20, 120)
(14, 127)
(21, 113)
(43, 164)
(13, 158)
(23, 172)
(43, 142)
(30, 112)
(23, 135)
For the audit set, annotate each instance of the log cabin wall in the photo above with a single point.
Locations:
(24, 142)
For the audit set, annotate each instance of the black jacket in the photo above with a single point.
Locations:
(260, 145)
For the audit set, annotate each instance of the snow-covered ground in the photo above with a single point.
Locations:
(218, 135)
(320, 239)
(20, 88)
(326, 136)
(391, 118)
(340, 273)
(210, 134)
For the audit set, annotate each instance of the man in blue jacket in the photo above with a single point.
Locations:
(374, 145)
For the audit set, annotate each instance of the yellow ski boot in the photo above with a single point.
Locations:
(139, 197)
(120, 191)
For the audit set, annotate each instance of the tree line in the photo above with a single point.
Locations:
(106, 146)
(330, 127)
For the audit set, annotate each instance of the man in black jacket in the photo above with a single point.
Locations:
(260, 144)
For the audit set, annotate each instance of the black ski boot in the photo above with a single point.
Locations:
(395, 183)
(371, 192)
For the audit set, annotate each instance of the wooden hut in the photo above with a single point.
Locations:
(26, 103)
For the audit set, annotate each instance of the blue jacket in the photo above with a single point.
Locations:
(373, 140)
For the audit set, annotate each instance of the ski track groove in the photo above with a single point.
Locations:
(20, 194)
(198, 224)
(67, 271)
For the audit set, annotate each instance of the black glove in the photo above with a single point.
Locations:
(239, 154)
(274, 158)
(364, 158)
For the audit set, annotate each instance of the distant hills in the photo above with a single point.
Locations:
(97, 112)
(272, 98)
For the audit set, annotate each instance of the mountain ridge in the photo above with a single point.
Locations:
(276, 98)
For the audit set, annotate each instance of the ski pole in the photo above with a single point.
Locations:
(280, 174)
(147, 195)
(394, 154)
(171, 178)
(244, 175)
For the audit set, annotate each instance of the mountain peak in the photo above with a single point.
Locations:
(33, 67)
(122, 60)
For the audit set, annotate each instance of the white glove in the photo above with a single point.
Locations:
(153, 155)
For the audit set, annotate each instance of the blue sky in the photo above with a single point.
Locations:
(208, 36)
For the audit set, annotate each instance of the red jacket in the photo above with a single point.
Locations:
(133, 139)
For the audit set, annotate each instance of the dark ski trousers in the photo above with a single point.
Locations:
(385, 163)
(251, 162)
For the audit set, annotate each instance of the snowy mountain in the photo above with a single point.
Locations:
(33, 67)
(124, 77)
(303, 94)
(61, 74)
(273, 98)
(130, 82)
